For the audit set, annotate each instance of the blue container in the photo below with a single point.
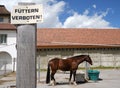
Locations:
(93, 75)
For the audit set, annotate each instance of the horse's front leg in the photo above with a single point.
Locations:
(70, 77)
(74, 77)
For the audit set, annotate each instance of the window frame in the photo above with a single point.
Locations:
(3, 38)
(1, 19)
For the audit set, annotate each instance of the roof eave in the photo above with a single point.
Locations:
(77, 46)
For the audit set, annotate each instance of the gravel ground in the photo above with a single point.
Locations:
(109, 79)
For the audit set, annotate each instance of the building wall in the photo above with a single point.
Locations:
(108, 57)
(5, 61)
(5, 19)
(9, 48)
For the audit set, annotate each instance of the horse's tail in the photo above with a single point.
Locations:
(48, 74)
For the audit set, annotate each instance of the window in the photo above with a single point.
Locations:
(3, 38)
(1, 19)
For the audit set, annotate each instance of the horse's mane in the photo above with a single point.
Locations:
(77, 56)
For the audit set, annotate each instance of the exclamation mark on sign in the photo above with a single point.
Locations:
(40, 18)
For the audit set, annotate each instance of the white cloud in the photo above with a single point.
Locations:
(53, 8)
(86, 12)
(94, 6)
(86, 21)
(51, 15)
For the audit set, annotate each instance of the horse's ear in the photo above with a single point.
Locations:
(87, 57)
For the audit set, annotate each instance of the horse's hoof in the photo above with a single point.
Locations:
(52, 83)
(74, 83)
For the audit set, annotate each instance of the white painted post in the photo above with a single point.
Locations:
(39, 69)
(87, 67)
(13, 64)
(5, 63)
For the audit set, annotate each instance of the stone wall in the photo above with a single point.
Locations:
(108, 57)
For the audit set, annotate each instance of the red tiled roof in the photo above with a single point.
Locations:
(7, 26)
(77, 37)
(3, 10)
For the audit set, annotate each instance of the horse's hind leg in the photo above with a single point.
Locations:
(52, 79)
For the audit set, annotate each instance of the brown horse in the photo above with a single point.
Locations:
(69, 64)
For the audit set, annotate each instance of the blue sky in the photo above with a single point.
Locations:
(76, 13)
(98, 6)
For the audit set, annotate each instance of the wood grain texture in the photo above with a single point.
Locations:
(26, 56)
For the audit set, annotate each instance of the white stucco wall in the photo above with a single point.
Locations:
(11, 42)
(10, 47)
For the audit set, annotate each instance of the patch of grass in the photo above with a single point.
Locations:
(100, 67)
(42, 69)
(103, 67)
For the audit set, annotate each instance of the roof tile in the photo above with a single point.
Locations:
(3, 10)
(7, 26)
(55, 37)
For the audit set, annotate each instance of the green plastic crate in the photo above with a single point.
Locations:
(93, 75)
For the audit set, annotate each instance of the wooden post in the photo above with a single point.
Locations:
(26, 42)
(26, 56)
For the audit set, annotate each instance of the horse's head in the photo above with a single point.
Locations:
(88, 59)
